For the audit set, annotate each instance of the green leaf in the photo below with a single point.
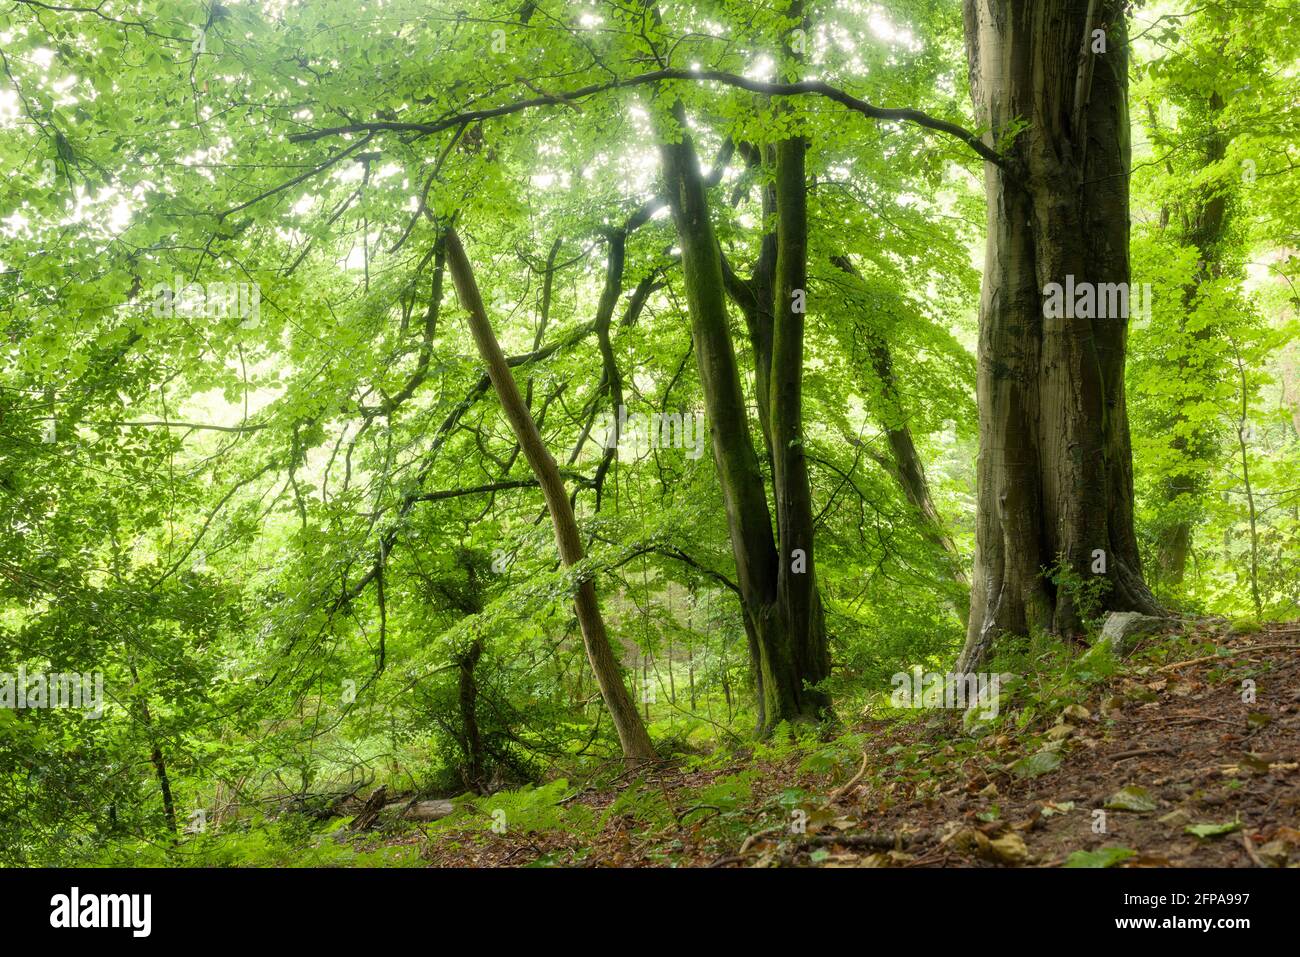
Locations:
(1034, 765)
(1105, 857)
(1205, 831)
(1132, 798)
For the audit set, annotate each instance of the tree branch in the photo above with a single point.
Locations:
(816, 87)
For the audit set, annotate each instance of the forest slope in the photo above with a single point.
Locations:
(1185, 769)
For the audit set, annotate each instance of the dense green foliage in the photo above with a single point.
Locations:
(282, 512)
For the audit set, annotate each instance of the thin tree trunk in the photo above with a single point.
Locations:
(800, 600)
(468, 696)
(1204, 229)
(631, 732)
(905, 465)
(783, 621)
(776, 574)
(156, 756)
(1250, 492)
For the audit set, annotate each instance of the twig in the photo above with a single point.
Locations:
(1191, 661)
(1139, 752)
(1234, 653)
(844, 788)
(754, 837)
(1250, 849)
(889, 840)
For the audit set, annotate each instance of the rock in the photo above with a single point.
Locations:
(429, 810)
(979, 719)
(1122, 629)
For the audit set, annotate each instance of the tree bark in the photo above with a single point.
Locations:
(782, 611)
(1055, 481)
(799, 598)
(627, 722)
(467, 693)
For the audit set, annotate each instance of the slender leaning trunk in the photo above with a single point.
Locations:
(904, 463)
(627, 722)
(1055, 479)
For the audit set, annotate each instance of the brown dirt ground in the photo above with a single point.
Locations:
(1179, 730)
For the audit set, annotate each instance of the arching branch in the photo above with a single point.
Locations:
(814, 87)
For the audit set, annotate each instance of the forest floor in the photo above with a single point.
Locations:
(1186, 754)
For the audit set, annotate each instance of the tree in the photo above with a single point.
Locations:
(1055, 479)
(631, 732)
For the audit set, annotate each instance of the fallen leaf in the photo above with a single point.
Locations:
(1274, 853)
(969, 841)
(1039, 763)
(1009, 849)
(1132, 798)
(1176, 818)
(1206, 831)
(1254, 762)
(1105, 857)
(1288, 834)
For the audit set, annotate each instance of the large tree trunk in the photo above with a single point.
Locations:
(627, 722)
(1055, 481)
